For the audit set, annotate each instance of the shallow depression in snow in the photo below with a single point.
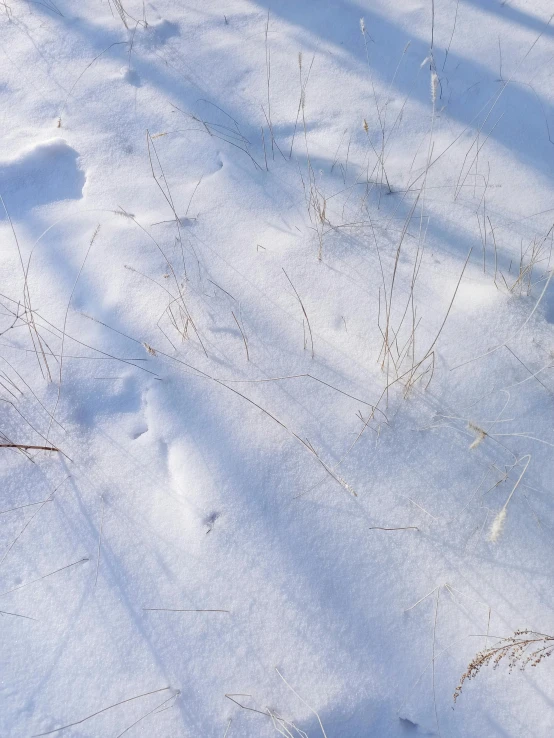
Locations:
(47, 172)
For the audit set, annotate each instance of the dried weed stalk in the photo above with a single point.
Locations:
(524, 648)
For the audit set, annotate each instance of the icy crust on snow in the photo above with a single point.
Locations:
(238, 511)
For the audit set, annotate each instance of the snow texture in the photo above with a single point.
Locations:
(275, 286)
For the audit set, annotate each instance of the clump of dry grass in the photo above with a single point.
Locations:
(524, 648)
(537, 252)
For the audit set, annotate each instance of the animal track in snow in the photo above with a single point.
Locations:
(158, 33)
(131, 76)
(209, 522)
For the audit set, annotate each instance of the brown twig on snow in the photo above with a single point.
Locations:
(27, 447)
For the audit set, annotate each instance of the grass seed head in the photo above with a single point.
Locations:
(497, 526)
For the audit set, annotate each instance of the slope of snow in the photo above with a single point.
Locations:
(198, 267)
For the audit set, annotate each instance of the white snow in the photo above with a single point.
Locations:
(229, 518)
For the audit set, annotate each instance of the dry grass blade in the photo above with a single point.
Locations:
(166, 192)
(28, 447)
(33, 516)
(29, 314)
(99, 543)
(21, 507)
(303, 85)
(99, 712)
(16, 615)
(39, 579)
(170, 609)
(244, 707)
(92, 240)
(120, 10)
(213, 130)
(311, 709)
(155, 710)
(243, 335)
(63, 107)
(303, 310)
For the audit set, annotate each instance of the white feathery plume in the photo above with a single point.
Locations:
(498, 523)
(434, 86)
(497, 526)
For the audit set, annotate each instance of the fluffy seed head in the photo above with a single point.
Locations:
(434, 86)
(480, 435)
(150, 350)
(497, 526)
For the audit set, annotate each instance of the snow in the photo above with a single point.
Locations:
(229, 519)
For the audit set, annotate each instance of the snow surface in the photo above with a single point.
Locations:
(192, 476)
